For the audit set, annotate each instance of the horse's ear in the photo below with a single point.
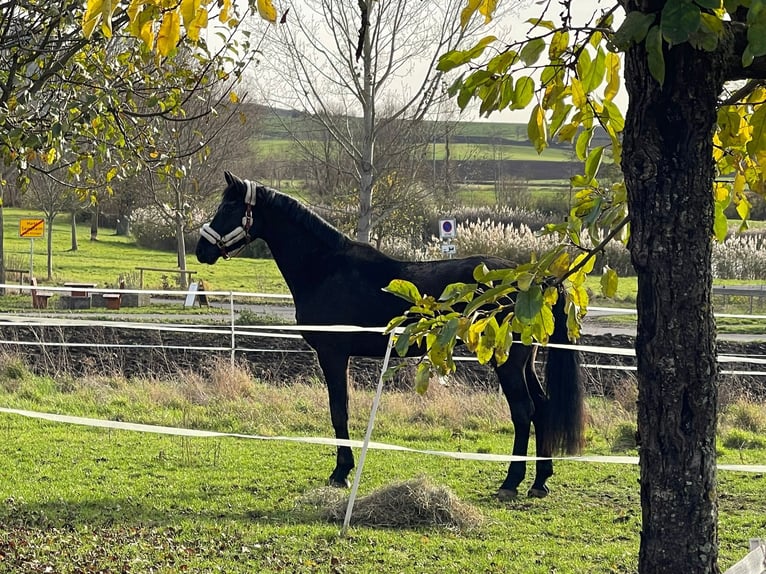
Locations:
(228, 177)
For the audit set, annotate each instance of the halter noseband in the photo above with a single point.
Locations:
(223, 242)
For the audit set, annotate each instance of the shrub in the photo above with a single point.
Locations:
(741, 256)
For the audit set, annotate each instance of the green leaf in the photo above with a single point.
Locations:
(633, 29)
(528, 304)
(404, 289)
(582, 144)
(458, 292)
(559, 44)
(756, 39)
(680, 18)
(531, 51)
(488, 297)
(720, 224)
(422, 377)
(523, 93)
(595, 74)
(455, 58)
(500, 63)
(447, 333)
(654, 54)
(709, 4)
(757, 141)
(593, 162)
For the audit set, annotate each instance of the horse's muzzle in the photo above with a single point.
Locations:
(207, 252)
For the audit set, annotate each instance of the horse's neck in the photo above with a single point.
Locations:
(298, 253)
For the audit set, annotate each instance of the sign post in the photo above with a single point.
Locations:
(31, 228)
(447, 232)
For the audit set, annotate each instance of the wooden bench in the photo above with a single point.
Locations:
(80, 289)
(39, 298)
(181, 272)
(112, 300)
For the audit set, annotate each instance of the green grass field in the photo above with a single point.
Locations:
(105, 260)
(77, 499)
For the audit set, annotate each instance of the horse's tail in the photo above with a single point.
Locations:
(564, 430)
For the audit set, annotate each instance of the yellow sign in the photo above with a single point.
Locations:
(31, 228)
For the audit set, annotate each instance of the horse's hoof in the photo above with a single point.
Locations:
(346, 483)
(538, 492)
(506, 494)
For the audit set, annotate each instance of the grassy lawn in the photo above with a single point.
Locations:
(105, 260)
(76, 499)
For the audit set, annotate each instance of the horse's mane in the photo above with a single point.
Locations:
(297, 212)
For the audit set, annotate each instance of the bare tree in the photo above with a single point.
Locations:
(341, 69)
(193, 155)
(52, 198)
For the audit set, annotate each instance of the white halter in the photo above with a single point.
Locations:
(238, 233)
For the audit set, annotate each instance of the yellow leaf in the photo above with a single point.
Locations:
(721, 191)
(196, 25)
(169, 34)
(560, 266)
(189, 11)
(267, 11)
(468, 12)
(225, 6)
(612, 76)
(233, 97)
(536, 129)
(147, 34)
(93, 12)
(609, 283)
(578, 94)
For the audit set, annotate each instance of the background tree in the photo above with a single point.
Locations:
(187, 158)
(349, 76)
(67, 91)
(52, 197)
(682, 128)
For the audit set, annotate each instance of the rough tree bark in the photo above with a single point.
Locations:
(668, 168)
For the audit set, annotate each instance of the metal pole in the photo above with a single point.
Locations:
(368, 434)
(231, 316)
(31, 258)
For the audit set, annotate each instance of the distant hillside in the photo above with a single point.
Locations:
(276, 125)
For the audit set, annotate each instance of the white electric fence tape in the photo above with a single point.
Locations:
(279, 331)
(324, 441)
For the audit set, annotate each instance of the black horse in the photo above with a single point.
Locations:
(337, 281)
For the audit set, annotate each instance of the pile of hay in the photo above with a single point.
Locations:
(408, 504)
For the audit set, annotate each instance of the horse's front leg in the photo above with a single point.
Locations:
(335, 369)
(543, 468)
(513, 383)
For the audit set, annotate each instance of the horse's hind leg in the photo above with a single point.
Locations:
(512, 381)
(335, 369)
(543, 468)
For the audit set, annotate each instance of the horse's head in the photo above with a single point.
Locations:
(231, 228)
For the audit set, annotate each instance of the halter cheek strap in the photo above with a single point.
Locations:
(223, 242)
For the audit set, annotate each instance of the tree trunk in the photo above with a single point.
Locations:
(180, 239)
(668, 168)
(94, 222)
(2, 243)
(49, 241)
(123, 223)
(73, 231)
(367, 151)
